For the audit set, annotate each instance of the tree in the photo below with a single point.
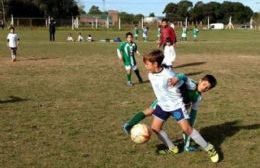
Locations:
(41, 8)
(152, 15)
(94, 10)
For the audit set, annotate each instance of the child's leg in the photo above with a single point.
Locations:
(137, 72)
(160, 117)
(162, 135)
(196, 136)
(128, 75)
(139, 117)
(191, 120)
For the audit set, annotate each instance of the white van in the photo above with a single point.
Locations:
(216, 26)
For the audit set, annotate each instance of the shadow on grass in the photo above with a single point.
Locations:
(13, 99)
(42, 58)
(216, 134)
(144, 82)
(189, 64)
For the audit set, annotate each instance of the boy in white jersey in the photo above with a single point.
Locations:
(12, 43)
(170, 103)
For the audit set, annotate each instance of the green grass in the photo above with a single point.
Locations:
(63, 104)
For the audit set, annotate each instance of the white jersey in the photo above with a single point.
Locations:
(80, 38)
(169, 55)
(169, 98)
(12, 40)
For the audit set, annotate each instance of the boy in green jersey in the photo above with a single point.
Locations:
(126, 53)
(136, 32)
(191, 92)
(195, 33)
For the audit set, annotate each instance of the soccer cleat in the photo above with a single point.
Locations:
(172, 151)
(129, 83)
(212, 153)
(126, 128)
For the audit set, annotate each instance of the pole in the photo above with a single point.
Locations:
(119, 23)
(208, 22)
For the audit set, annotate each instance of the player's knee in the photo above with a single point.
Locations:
(148, 111)
(155, 129)
(187, 130)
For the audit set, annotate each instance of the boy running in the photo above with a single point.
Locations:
(170, 103)
(126, 52)
(12, 43)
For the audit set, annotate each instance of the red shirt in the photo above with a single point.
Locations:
(165, 33)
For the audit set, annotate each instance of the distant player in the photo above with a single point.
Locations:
(195, 33)
(184, 33)
(158, 32)
(169, 54)
(126, 52)
(70, 38)
(80, 38)
(170, 103)
(136, 32)
(12, 42)
(145, 33)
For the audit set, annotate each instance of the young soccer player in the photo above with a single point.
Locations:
(126, 52)
(169, 54)
(145, 33)
(136, 32)
(80, 38)
(12, 43)
(195, 33)
(70, 38)
(170, 103)
(184, 33)
(192, 95)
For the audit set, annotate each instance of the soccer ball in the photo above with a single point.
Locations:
(140, 133)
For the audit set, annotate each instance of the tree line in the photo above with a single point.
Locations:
(217, 12)
(40, 8)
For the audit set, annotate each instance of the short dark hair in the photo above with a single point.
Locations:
(211, 79)
(128, 34)
(154, 56)
(11, 27)
(165, 20)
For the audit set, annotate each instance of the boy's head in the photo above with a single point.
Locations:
(129, 37)
(206, 83)
(168, 41)
(12, 29)
(153, 60)
(164, 22)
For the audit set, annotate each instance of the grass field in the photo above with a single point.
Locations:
(63, 104)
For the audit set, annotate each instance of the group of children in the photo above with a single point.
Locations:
(80, 38)
(184, 34)
(145, 30)
(175, 95)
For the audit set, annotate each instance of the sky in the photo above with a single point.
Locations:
(146, 7)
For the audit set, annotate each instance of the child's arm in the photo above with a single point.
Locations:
(182, 77)
(119, 53)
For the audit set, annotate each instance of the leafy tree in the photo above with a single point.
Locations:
(94, 10)
(152, 15)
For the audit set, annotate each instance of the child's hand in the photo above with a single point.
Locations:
(173, 81)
